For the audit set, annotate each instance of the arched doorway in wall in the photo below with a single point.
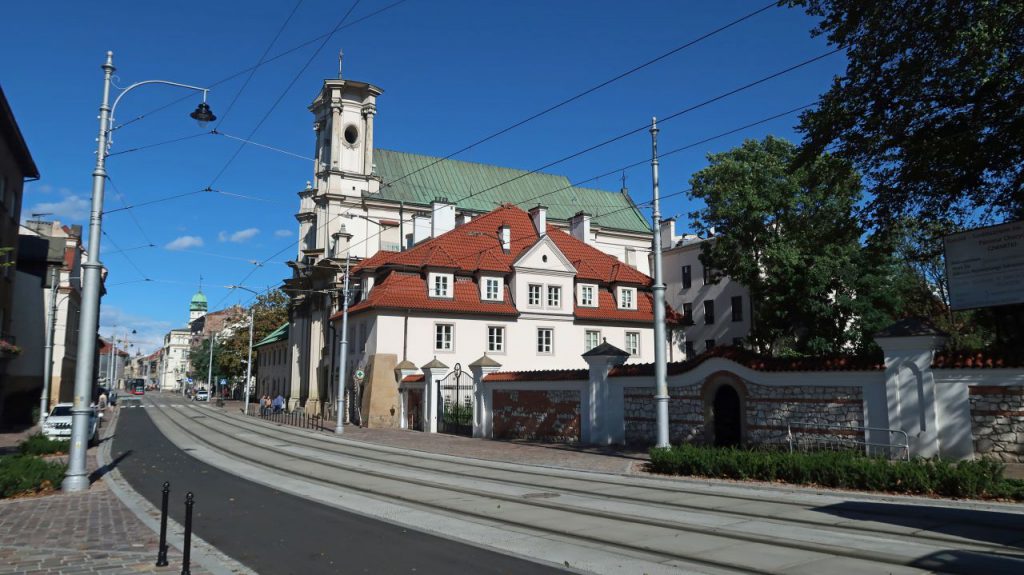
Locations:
(724, 395)
(725, 410)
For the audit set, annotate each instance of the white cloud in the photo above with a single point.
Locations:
(71, 208)
(283, 233)
(185, 242)
(238, 237)
(149, 332)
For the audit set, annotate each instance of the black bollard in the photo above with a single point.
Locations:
(187, 552)
(161, 556)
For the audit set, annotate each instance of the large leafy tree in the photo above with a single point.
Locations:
(230, 354)
(931, 106)
(791, 235)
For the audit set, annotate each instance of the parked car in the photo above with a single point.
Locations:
(202, 395)
(58, 423)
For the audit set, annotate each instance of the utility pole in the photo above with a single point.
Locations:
(209, 370)
(51, 327)
(339, 427)
(660, 381)
(248, 365)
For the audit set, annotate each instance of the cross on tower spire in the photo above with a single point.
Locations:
(341, 56)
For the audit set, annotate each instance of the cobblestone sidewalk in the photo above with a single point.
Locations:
(89, 532)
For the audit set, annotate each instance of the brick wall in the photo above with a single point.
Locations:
(536, 415)
(997, 422)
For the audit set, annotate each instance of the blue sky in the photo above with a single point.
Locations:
(453, 71)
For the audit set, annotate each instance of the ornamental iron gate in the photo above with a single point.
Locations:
(455, 403)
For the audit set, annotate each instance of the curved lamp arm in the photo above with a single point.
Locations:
(113, 109)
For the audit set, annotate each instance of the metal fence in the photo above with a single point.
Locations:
(295, 418)
(813, 436)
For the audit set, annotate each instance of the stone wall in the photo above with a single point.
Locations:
(818, 408)
(685, 414)
(768, 408)
(997, 422)
(539, 415)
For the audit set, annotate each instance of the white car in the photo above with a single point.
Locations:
(58, 423)
(202, 395)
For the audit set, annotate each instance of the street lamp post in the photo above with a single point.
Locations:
(339, 427)
(248, 365)
(660, 382)
(44, 398)
(77, 478)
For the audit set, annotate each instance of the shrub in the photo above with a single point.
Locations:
(39, 444)
(843, 469)
(21, 474)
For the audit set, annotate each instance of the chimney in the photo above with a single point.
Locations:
(505, 233)
(579, 226)
(539, 215)
(420, 228)
(668, 232)
(342, 240)
(442, 217)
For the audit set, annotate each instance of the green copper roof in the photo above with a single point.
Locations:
(278, 334)
(198, 302)
(481, 188)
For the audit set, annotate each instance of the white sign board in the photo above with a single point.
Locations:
(985, 267)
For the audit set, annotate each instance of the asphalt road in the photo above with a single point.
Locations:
(274, 532)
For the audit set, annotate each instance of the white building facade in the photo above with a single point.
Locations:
(175, 364)
(720, 310)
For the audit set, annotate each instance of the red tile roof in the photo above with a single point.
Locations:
(741, 356)
(976, 360)
(476, 247)
(403, 290)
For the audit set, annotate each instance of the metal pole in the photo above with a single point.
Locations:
(77, 478)
(248, 366)
(44, 398)
(110, 360)
(660, 382)
(186, 553)
(342, 367)
(209, 371)
(161, 556)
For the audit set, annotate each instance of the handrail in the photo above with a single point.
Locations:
(905, 446)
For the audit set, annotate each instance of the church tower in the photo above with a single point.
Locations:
(197, 307)
(343, 114)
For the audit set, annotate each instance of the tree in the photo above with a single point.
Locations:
(270, 311)
(931, 107)
(791, 235)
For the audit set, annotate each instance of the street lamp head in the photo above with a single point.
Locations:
(203, 115)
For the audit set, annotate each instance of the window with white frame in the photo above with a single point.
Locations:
(492, 289)
(495, 339)
(545, 340)
(627, 298)
(591, 339)
(441, 285)
(444, 337)
(588, 295)
(633, 342)
(554, 296)
(533, 294)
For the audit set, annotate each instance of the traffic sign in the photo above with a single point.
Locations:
(360, 374)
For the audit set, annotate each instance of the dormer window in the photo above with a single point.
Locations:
(588, 295)
(554, 296)
(627, 298)
(440, 285)
(491, 289)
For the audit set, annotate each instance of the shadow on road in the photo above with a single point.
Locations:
(101, 471)
(969, 563)
(975, 524)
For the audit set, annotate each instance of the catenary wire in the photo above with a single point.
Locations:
(259, 63)
(592, 89)
(267, 61)
(284, 92)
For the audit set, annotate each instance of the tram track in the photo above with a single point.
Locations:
(580, 498)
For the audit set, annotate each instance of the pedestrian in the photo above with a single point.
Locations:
(278, 403)
(265, 405)
(103, 400)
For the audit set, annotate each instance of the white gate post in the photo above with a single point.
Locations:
(597, 425)
(481, 397)
(432, 373)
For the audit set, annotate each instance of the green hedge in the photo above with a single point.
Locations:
(20, 474)
(976, 479)
(39, 444)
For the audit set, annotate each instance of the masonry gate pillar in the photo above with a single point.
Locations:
(432, 373)
(603, 423)
(909, 346)
(482, 401)
(404, 369)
